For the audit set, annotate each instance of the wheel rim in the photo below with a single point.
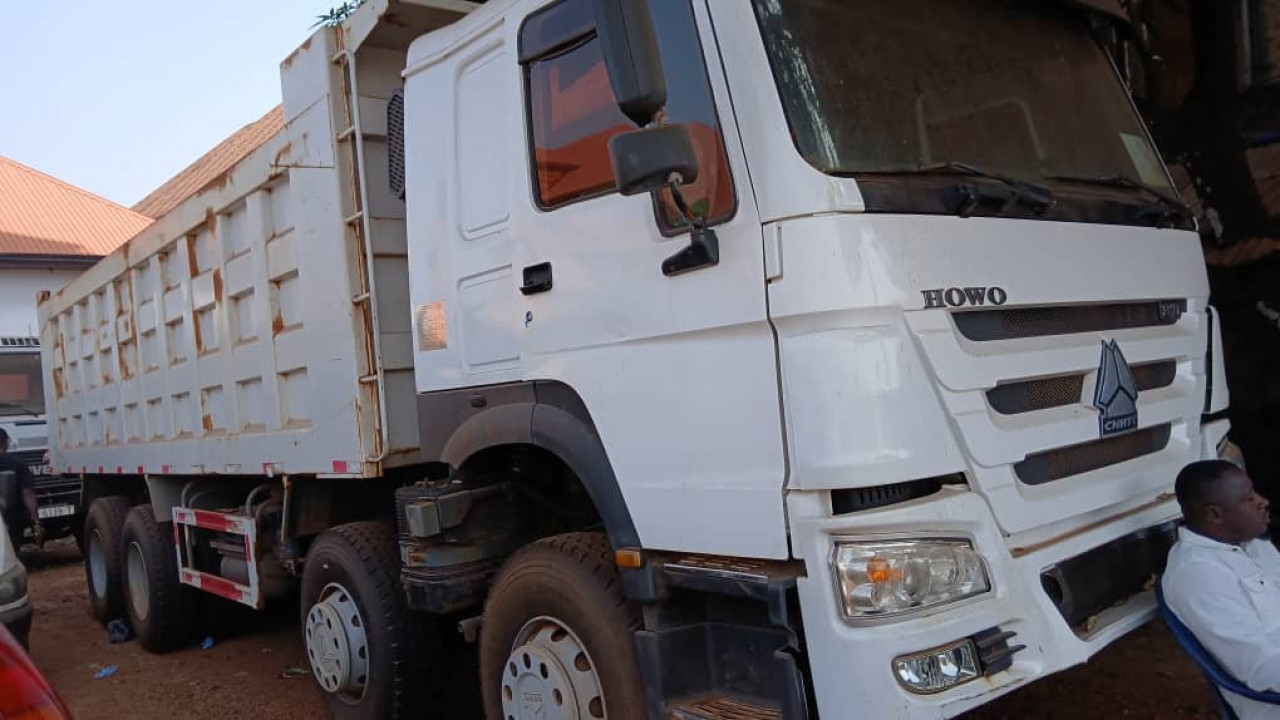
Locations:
(549, 675)
(97, 564)
(337, 645)
(139, 593)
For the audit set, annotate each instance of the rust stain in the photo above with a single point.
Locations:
(59, 387)
(193, 268)
(206, 421)
(288, 62)
(219, 181)
(280, 158)
(277, 325)
(1159, 500)
(199, 336)
(217, 285)
(42, 296)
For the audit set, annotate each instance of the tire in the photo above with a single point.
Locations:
(563, 583)
(158, 604)
(353, 571)
(103, 525)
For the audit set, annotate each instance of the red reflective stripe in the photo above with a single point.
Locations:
(176, 541)
(212, 520)
(141, 471)
(164, 469)
(119, 469)
(220, 587)
(339, 466)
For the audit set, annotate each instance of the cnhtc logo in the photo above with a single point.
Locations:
(1116, 395)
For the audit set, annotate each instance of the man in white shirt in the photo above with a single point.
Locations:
(1223, 578)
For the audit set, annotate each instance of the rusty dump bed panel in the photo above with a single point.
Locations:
(263, 325)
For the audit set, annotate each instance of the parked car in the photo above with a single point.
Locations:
(15, 603)
(27, 694)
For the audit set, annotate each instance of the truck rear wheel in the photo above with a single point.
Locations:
(102, 527)
(558, 637)
(157, 602)
(364, 645)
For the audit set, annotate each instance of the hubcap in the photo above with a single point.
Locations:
(97, 564)
(337, 645)
(139, 596)
(550, 676)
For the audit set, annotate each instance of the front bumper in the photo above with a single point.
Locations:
(851, 664)
(16, 616)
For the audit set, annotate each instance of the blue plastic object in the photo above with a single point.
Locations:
(118, 631)
(1218, 677)
(105, 672)
(208, 643)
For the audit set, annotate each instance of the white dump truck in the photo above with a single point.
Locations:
(696, 358)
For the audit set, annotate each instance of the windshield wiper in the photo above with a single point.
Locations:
(23, 408)
(1173, 203)
(965, 199)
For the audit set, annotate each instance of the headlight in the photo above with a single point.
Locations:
(1231, 452)
(13, 585)
(879, 579)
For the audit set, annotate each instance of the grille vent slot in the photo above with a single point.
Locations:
(1014, 323)
(1065, 462)
(1031, 395)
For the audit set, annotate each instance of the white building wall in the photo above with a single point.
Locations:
(18, 289)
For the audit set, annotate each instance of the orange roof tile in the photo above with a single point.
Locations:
(42, 215)
(211, 165)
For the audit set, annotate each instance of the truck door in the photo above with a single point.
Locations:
(677, 372)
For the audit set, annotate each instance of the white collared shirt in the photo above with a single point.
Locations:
(1229, 596)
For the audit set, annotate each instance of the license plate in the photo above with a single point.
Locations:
(55, 511)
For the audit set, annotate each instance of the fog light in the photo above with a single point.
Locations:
(933, 671)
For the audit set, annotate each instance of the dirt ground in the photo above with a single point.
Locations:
(263, 673)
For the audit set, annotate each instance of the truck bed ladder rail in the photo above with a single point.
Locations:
(362, 227)
(184, 519)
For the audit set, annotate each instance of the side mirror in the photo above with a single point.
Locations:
(630, 49)
(645, 160)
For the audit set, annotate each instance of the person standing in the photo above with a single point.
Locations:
(20, 506)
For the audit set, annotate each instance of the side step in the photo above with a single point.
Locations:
(722, 707)
(231, 524)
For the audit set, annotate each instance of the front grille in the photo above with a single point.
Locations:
(1064, 462)
(33, 459)
(983, 325)
(1085, 585)
(1030, 395)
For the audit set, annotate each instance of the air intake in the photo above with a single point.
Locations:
(984, 325)
(1065, 462)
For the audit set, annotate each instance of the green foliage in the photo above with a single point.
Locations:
(337, 14)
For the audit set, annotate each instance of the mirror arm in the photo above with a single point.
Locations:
(704, 246)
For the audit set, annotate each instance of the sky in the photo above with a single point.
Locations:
(119, 97)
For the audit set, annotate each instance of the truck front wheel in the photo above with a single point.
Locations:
(558, 637)
(363, 644)
(158, 603)
(102, 527)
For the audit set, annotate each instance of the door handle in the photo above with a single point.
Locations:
(537, 279)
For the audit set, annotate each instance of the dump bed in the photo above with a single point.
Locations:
(262, 326)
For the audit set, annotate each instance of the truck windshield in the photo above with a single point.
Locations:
(21, 387)
(901, 92)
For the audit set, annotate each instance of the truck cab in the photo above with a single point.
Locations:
(937, 371)
(23, 417)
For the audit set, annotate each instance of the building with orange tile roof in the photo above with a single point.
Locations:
(50, 231)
